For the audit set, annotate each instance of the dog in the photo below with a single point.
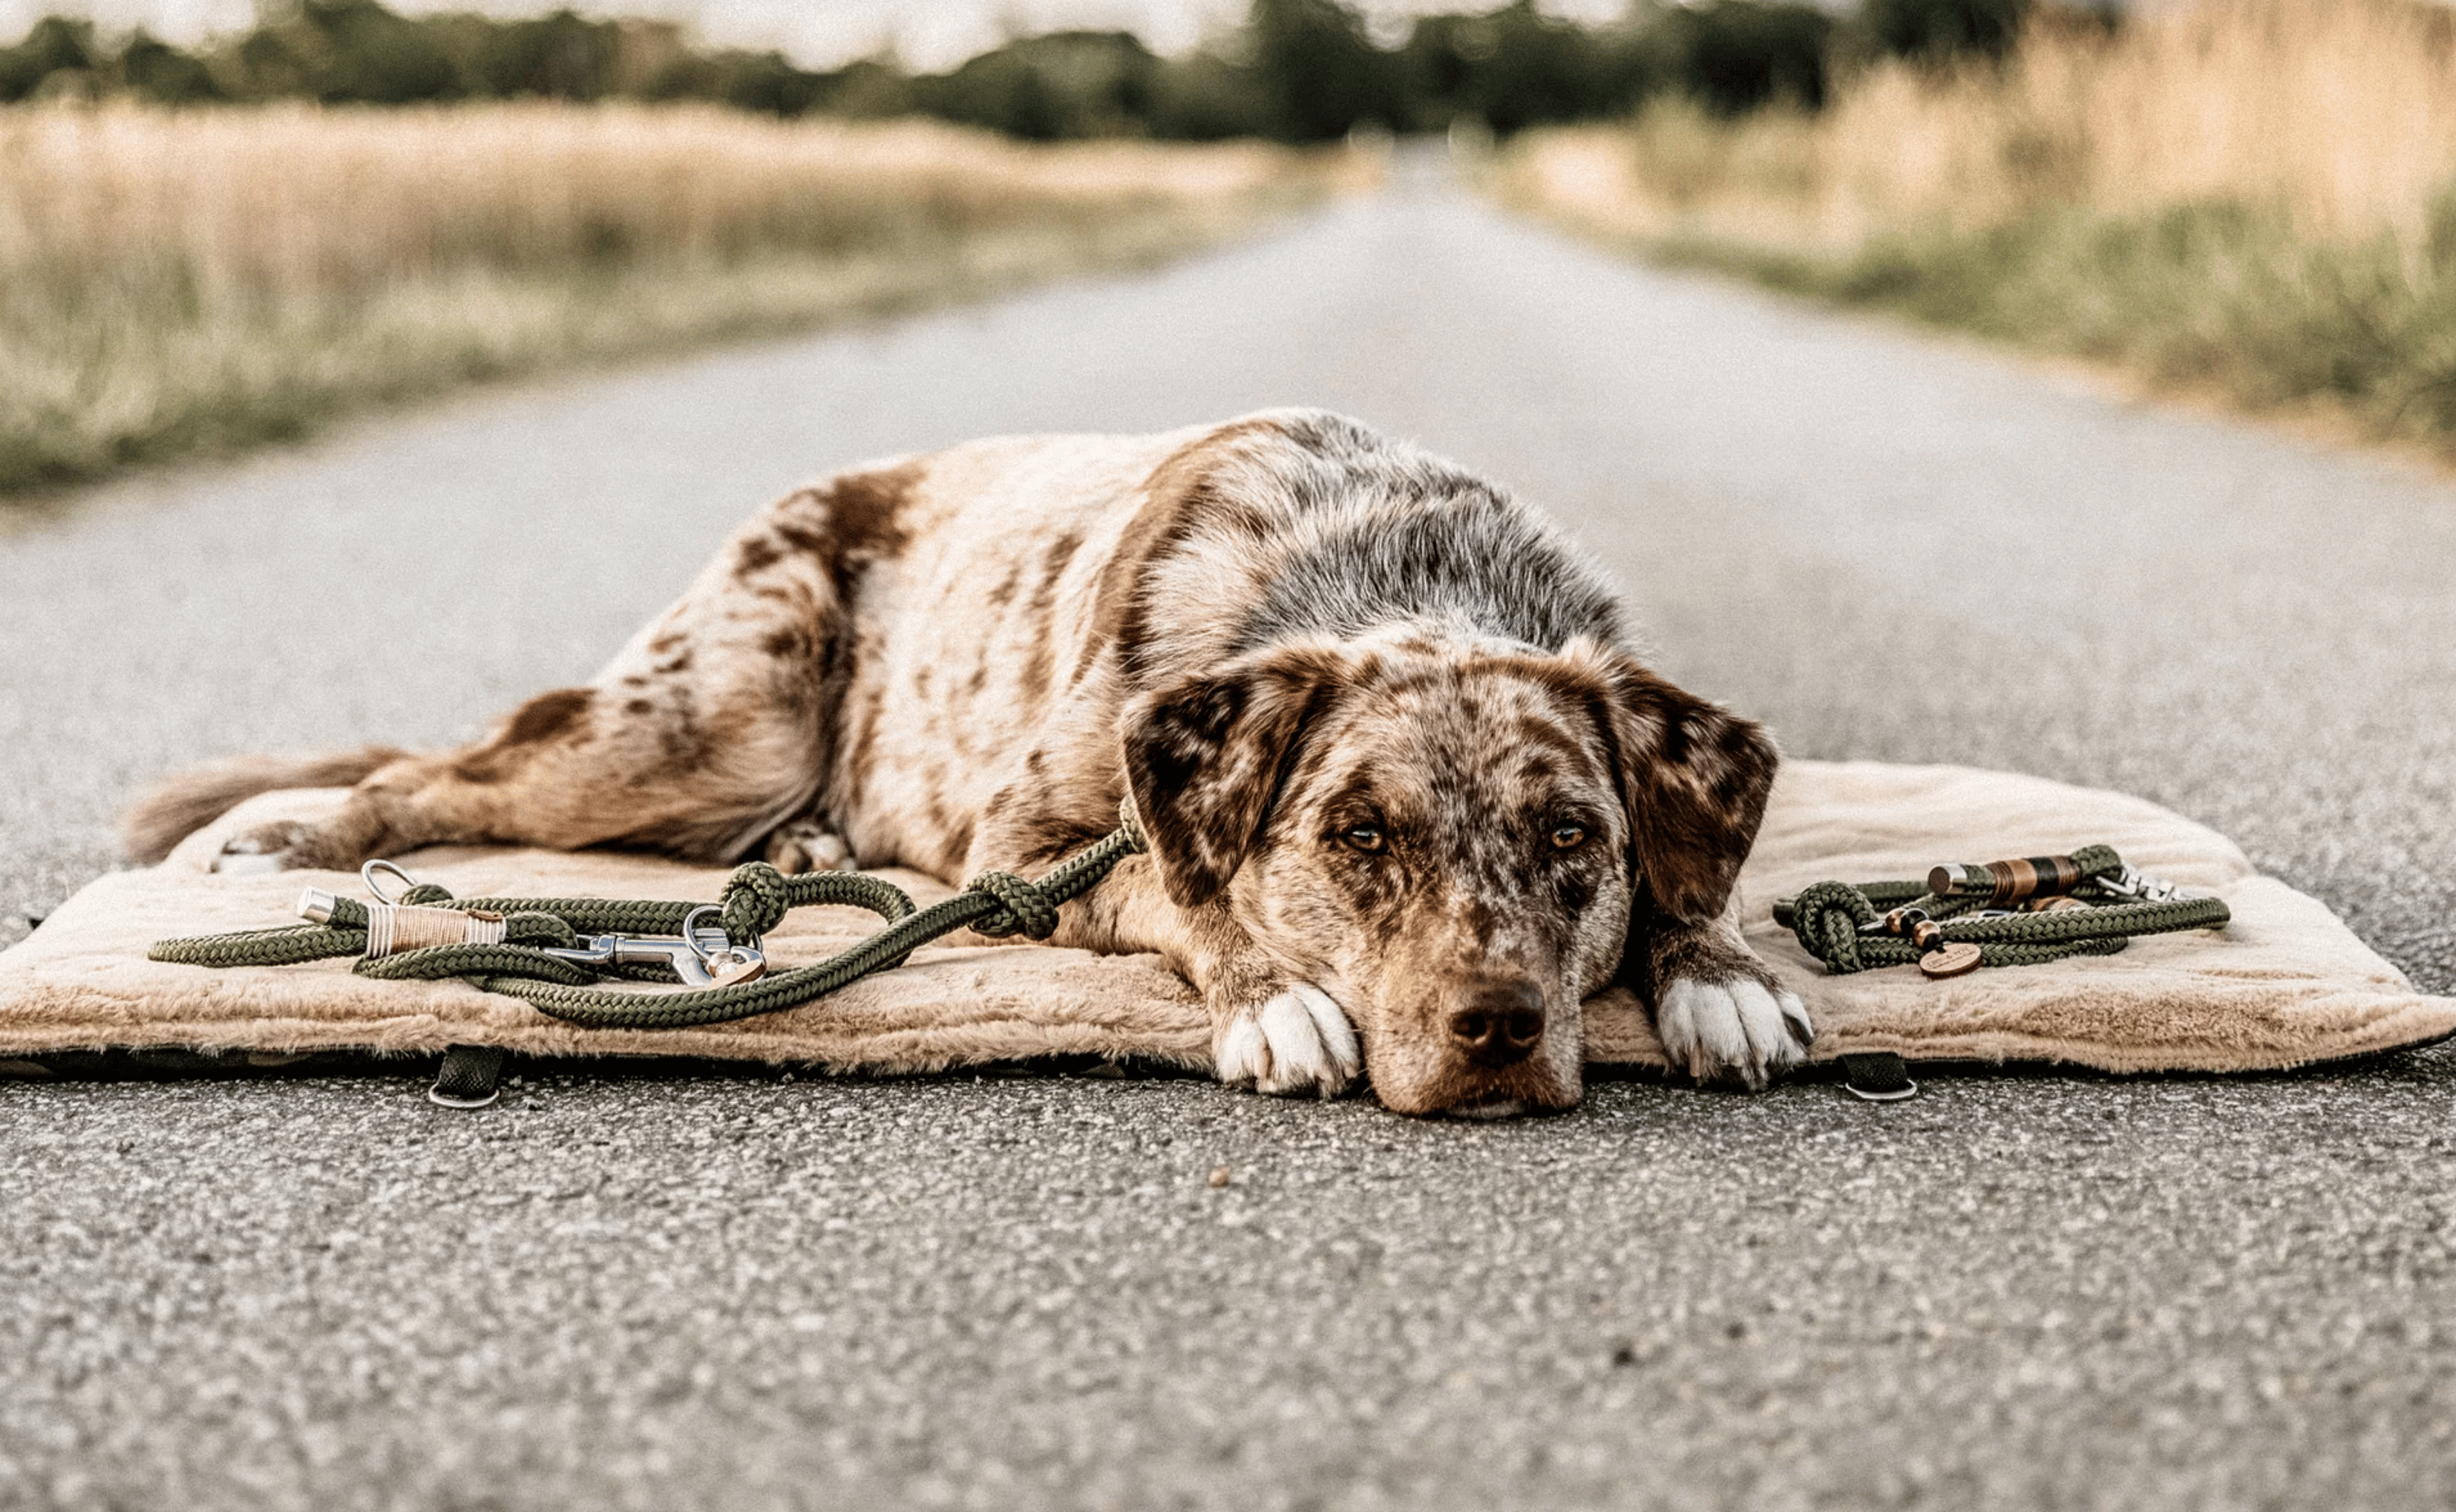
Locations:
(1410, 798)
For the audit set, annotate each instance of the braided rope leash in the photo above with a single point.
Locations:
(2088, 903)
(755, 900)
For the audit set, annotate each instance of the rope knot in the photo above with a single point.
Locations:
(756, 900)
(1023, 908)
(1827, 918)
(1130, 829)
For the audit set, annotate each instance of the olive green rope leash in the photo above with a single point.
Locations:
(1848, 927)
(756, 898)
(1844, 925)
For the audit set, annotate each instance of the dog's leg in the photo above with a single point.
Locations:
(711, 729)
(699, 768)
(1720, 1011)
(1268, 1031)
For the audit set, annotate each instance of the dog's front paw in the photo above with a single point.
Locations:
(1738, 1029)
(1297, 1041)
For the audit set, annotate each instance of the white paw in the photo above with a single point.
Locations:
(1721, 1029)
(1299, 1041)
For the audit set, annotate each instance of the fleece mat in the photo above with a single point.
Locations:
(2286, 983)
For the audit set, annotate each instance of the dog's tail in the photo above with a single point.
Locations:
(177, 807)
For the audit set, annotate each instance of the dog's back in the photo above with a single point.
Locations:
(1046, 581)
(879, 651)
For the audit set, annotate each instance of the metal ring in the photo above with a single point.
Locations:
(367, 875)
(1908, 1089)
(445, 1099)
(690, 934)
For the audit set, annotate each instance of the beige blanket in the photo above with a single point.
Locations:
(2285, 985)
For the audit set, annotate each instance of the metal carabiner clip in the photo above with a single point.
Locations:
(700, 957)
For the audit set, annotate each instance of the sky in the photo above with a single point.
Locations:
(816, 33)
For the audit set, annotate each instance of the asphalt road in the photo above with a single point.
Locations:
(677, 1291)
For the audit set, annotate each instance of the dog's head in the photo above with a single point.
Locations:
(1450, 841)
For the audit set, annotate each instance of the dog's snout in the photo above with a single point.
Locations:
(1498, 1023)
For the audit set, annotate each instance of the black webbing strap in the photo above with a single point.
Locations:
(1877, 1077)
(467, 1076)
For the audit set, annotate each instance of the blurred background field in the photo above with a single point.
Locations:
(214, 240)
(2254, 199)
(193, 281)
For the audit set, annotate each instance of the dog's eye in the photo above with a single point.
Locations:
(1569, 837)
(1364, 837)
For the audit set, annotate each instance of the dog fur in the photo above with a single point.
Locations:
(1410, 796)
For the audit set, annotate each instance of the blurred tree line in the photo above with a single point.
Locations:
(1296, 71)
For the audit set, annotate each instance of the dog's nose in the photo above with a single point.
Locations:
(1498, 1022)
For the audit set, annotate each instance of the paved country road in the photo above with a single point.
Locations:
(742, 1292)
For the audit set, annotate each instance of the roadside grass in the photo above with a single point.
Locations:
(180, 283)
(2249, 198)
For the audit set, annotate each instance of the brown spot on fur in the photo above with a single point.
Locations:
(639, 706)
(1178, 499)
(683, 742)
(1033, 679)
(1036, 667)
(1004, 593)
(806, 539)
(954, 834)
(664, 642)
(1546, 734)
(849, 522)
(846, 524)
(755, 555)
(1052, 837)
(544, 717)
(958, 845)
(1053, 566)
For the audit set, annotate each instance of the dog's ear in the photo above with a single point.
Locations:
(1205, 757)
(1693, 777)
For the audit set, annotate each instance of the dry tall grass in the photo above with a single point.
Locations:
(172, 281)
(2254, 194)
